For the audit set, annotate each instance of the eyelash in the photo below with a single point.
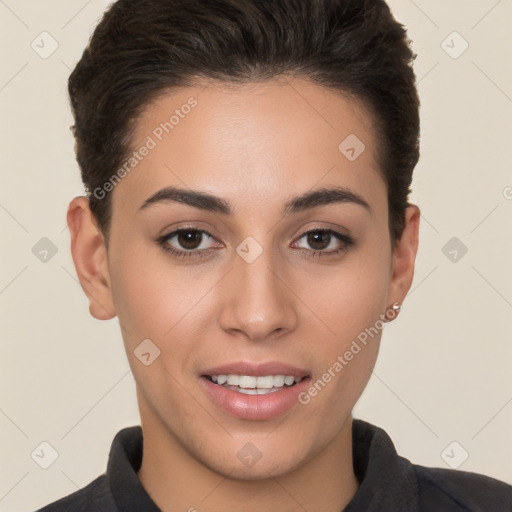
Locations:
(162, 242)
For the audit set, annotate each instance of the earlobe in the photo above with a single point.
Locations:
(404, 257)
(90, 257)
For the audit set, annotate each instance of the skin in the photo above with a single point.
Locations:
(255, 146)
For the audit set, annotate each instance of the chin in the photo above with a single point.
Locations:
(260, 470)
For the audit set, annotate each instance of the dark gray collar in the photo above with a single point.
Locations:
(387, 481)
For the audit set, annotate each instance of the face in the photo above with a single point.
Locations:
(253, 280)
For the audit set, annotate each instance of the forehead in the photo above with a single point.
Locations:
(265, 137)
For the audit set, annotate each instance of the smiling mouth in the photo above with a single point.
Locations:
(254, 385)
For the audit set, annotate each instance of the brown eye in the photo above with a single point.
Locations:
(189, 239)
(319, 240)
(186, 242)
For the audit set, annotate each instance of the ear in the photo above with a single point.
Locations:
(90, 257)
(404, 257)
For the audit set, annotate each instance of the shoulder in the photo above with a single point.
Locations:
(392, 483)
(461, 491)
(94, 496)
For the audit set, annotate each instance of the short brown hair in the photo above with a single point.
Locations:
(142, 48)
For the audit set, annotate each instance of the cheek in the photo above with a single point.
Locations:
(147, 291)
(346, 354)
(350, 297)
(154, 301)
(348, 302)
(138, 295)
(158, 300)
(147, 299)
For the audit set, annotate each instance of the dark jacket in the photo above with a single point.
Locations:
(387, 482)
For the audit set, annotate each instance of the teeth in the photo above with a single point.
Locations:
(289, 380)
(233, 380)
(244, 381)
(249, 382)
(278, 380)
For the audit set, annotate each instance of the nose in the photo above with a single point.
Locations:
(258, 303)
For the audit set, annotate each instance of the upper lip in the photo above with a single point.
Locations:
(256, 369)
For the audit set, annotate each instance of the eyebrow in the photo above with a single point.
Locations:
(309, 200)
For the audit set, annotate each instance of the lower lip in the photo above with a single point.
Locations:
(255, 407)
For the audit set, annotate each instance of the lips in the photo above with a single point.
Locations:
(261, 399)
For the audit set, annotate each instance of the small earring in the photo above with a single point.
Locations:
(396, 307)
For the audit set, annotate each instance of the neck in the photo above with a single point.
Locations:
(175, 480)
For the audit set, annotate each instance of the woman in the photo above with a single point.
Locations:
(248, 165)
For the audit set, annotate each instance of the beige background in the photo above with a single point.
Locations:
(444, 368)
